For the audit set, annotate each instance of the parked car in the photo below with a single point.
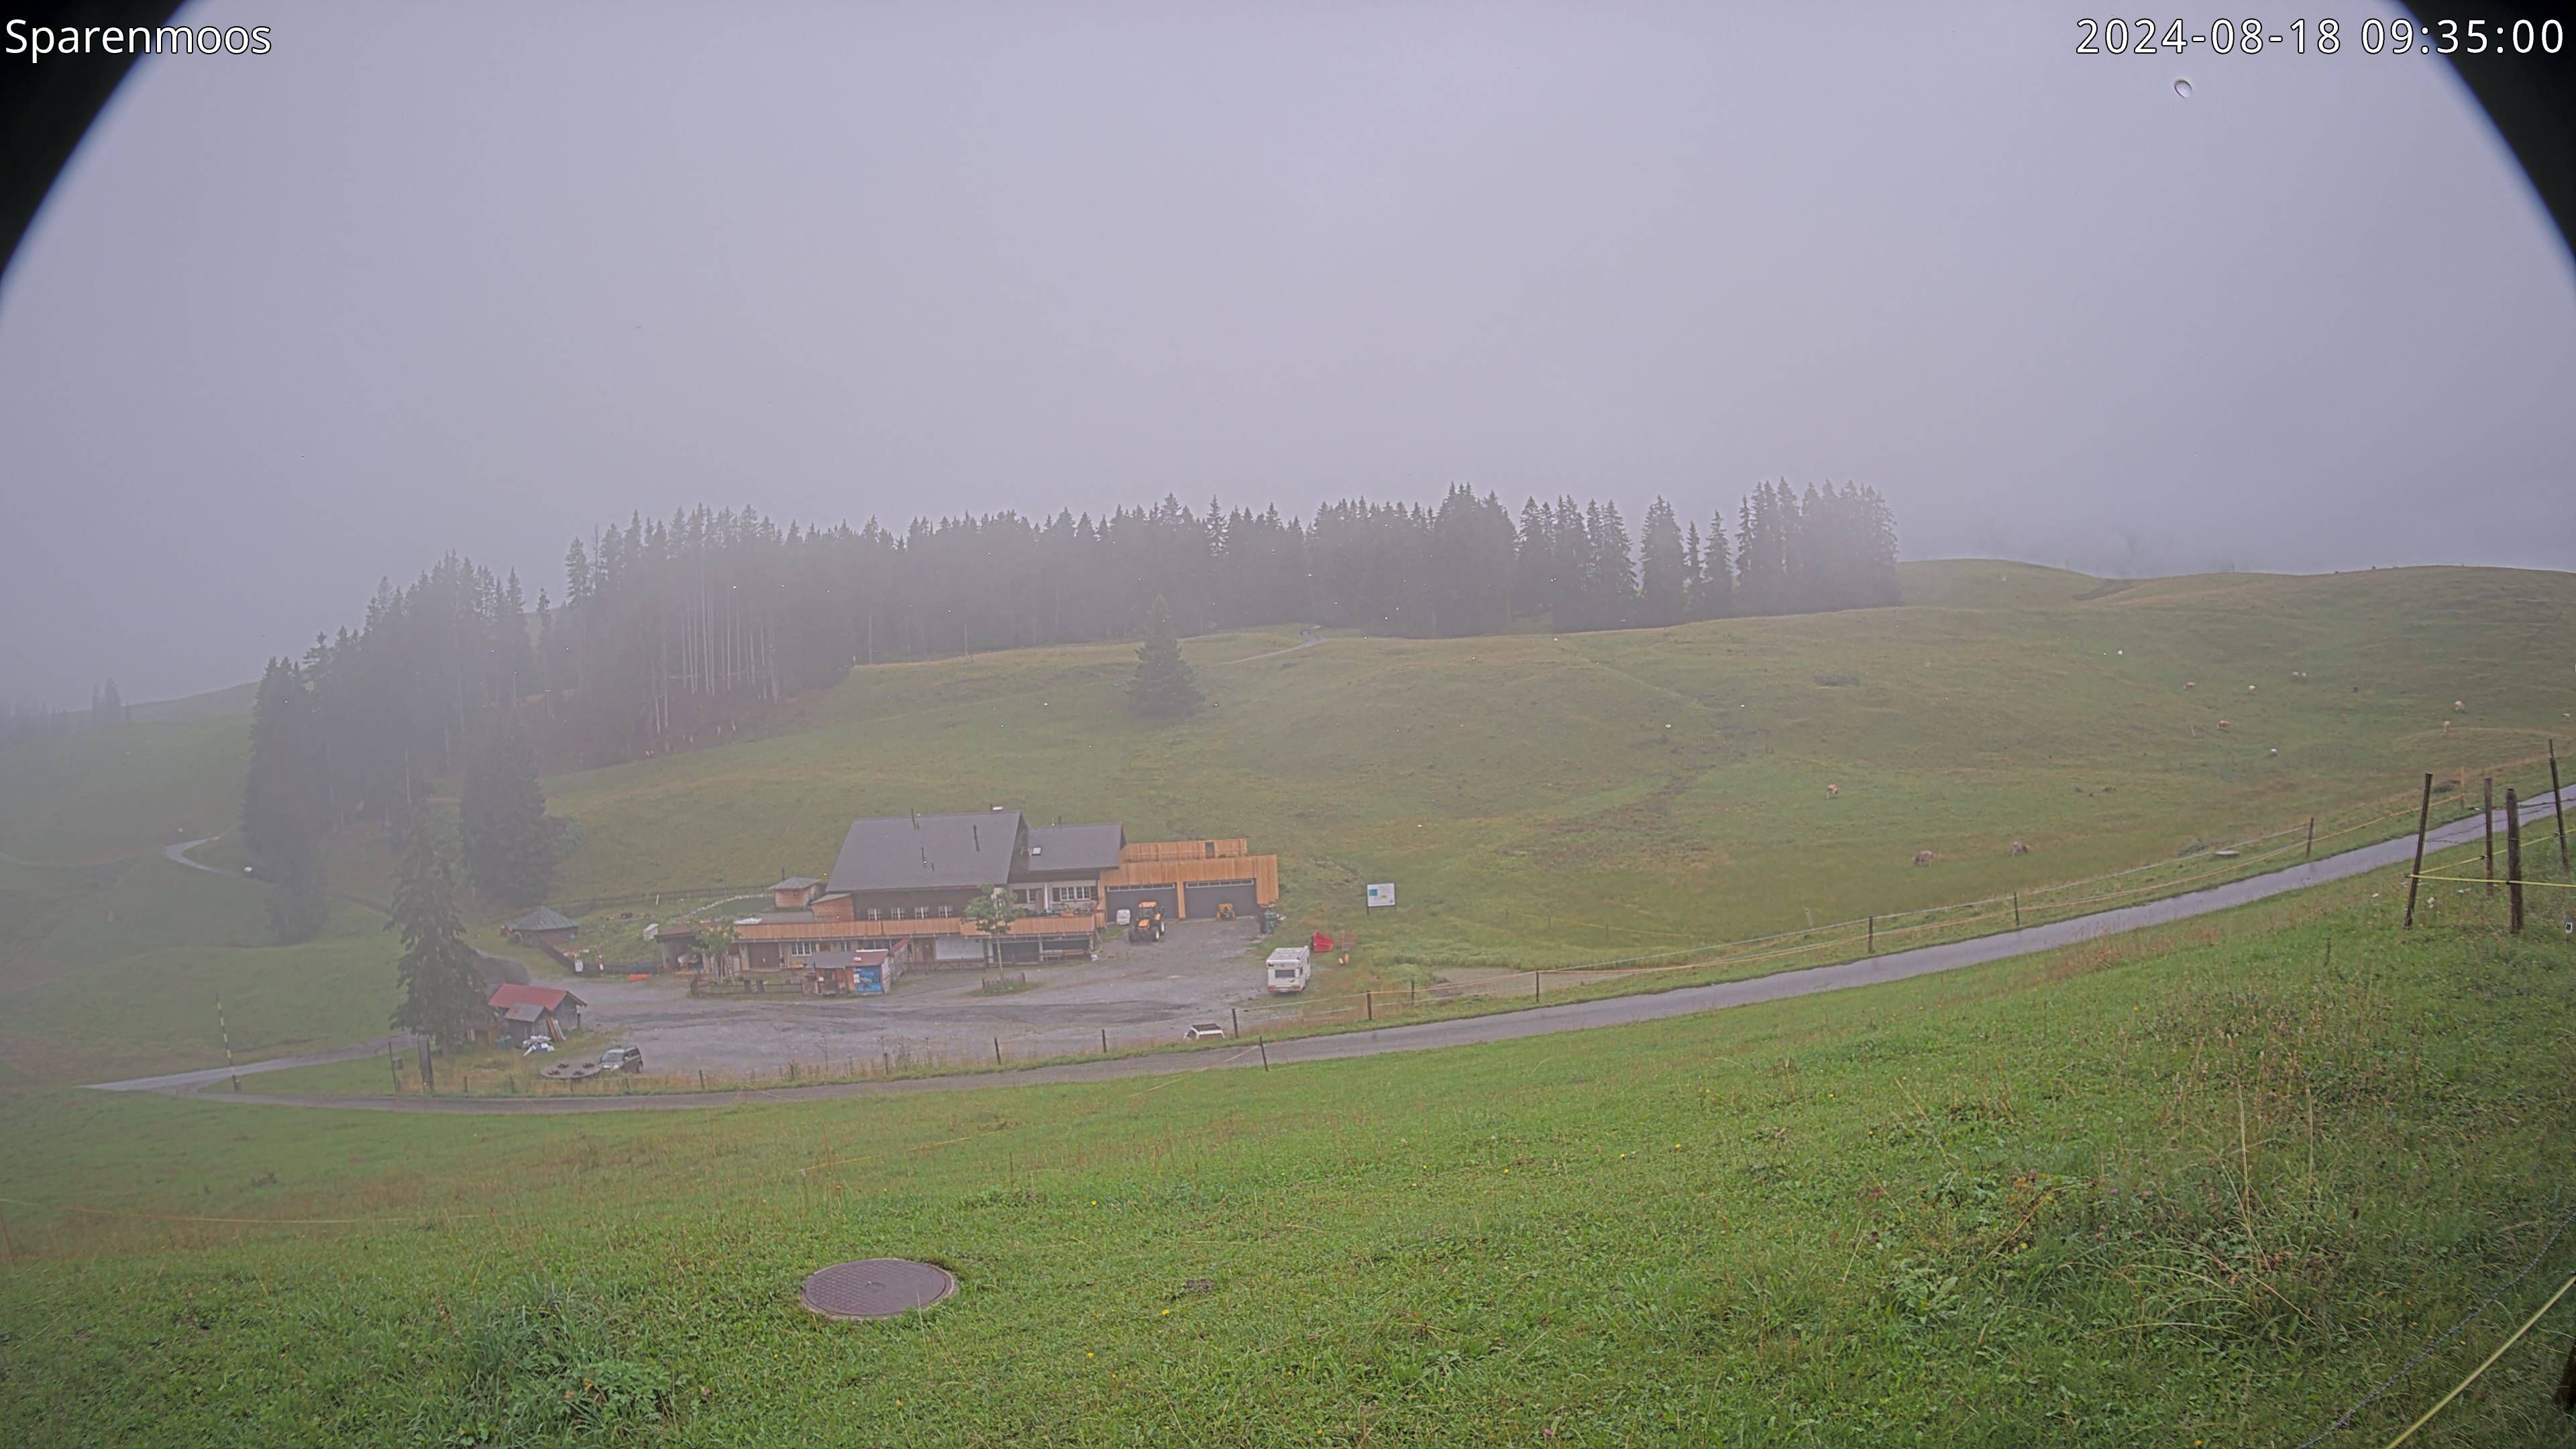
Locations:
(622, 1059)
(1205, 1031)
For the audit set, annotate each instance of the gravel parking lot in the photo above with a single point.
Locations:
(1137, 994)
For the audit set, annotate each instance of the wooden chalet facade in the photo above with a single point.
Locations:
(902, 883)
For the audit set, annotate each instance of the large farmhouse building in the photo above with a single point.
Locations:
(902, 883)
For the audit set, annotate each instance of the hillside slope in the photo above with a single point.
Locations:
(1538, 799)
(1541, 799)
(2210, 1183)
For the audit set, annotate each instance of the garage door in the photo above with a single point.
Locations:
(1128, 898)
(1203, 897)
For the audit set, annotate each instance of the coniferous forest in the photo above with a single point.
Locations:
(671, 631)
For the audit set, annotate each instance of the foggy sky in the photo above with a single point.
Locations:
(445, 277)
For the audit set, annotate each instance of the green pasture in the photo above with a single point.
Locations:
(2205, 1184)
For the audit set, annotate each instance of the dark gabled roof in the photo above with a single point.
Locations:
(928, 852)
(544, 918)
(796, 883)
(1075, 847)
(543, 998)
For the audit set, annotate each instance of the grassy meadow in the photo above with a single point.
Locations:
(1545, 800)
(2205, 1184)
(1540, 800)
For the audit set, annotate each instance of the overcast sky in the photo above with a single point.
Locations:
(438, 277)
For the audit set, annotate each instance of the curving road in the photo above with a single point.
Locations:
(179, 853)
(1461, 1031)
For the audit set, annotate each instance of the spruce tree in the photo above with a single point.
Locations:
(283, 819)
(441, 991)
(509, 852)
(1163, 687)
(1666, 585)
(1716, 572)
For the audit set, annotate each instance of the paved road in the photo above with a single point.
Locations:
(179, 853)
(1507, 1026)
(214, 1076)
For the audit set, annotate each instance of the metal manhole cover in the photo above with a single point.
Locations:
(877, 1288)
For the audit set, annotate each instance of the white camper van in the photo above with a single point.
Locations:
(1289, 969)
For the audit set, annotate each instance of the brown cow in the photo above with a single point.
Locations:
(1922, 857)
(2020, 849)
(2222, 724)
(1833, 791)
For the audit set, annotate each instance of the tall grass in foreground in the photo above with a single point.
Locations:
(2208, 1182)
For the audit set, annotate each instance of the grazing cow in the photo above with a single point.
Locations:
(2276, 749)
(2249, 689)
(2222, 724)
(2446, 726)
(2191, 684)
(2459, 706)
(1922, 857)
(2020, 849)
(1832, 791)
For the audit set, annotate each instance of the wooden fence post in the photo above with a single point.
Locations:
(2512, 861)
(997, 1051)
(1104, 1041)
(1371, 997)
(2016, 910)
(1238, 1019)
(2311, 852)
(1265, 1053)
(1873, 935)
(1533, 986)
(2487, 784)
(2415, 876)
(2558, 807)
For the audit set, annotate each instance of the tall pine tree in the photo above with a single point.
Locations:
(509, 851)
(283, 803)
(1716, 574)
(1163, 687)
(442, 994)
(1665, 592)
